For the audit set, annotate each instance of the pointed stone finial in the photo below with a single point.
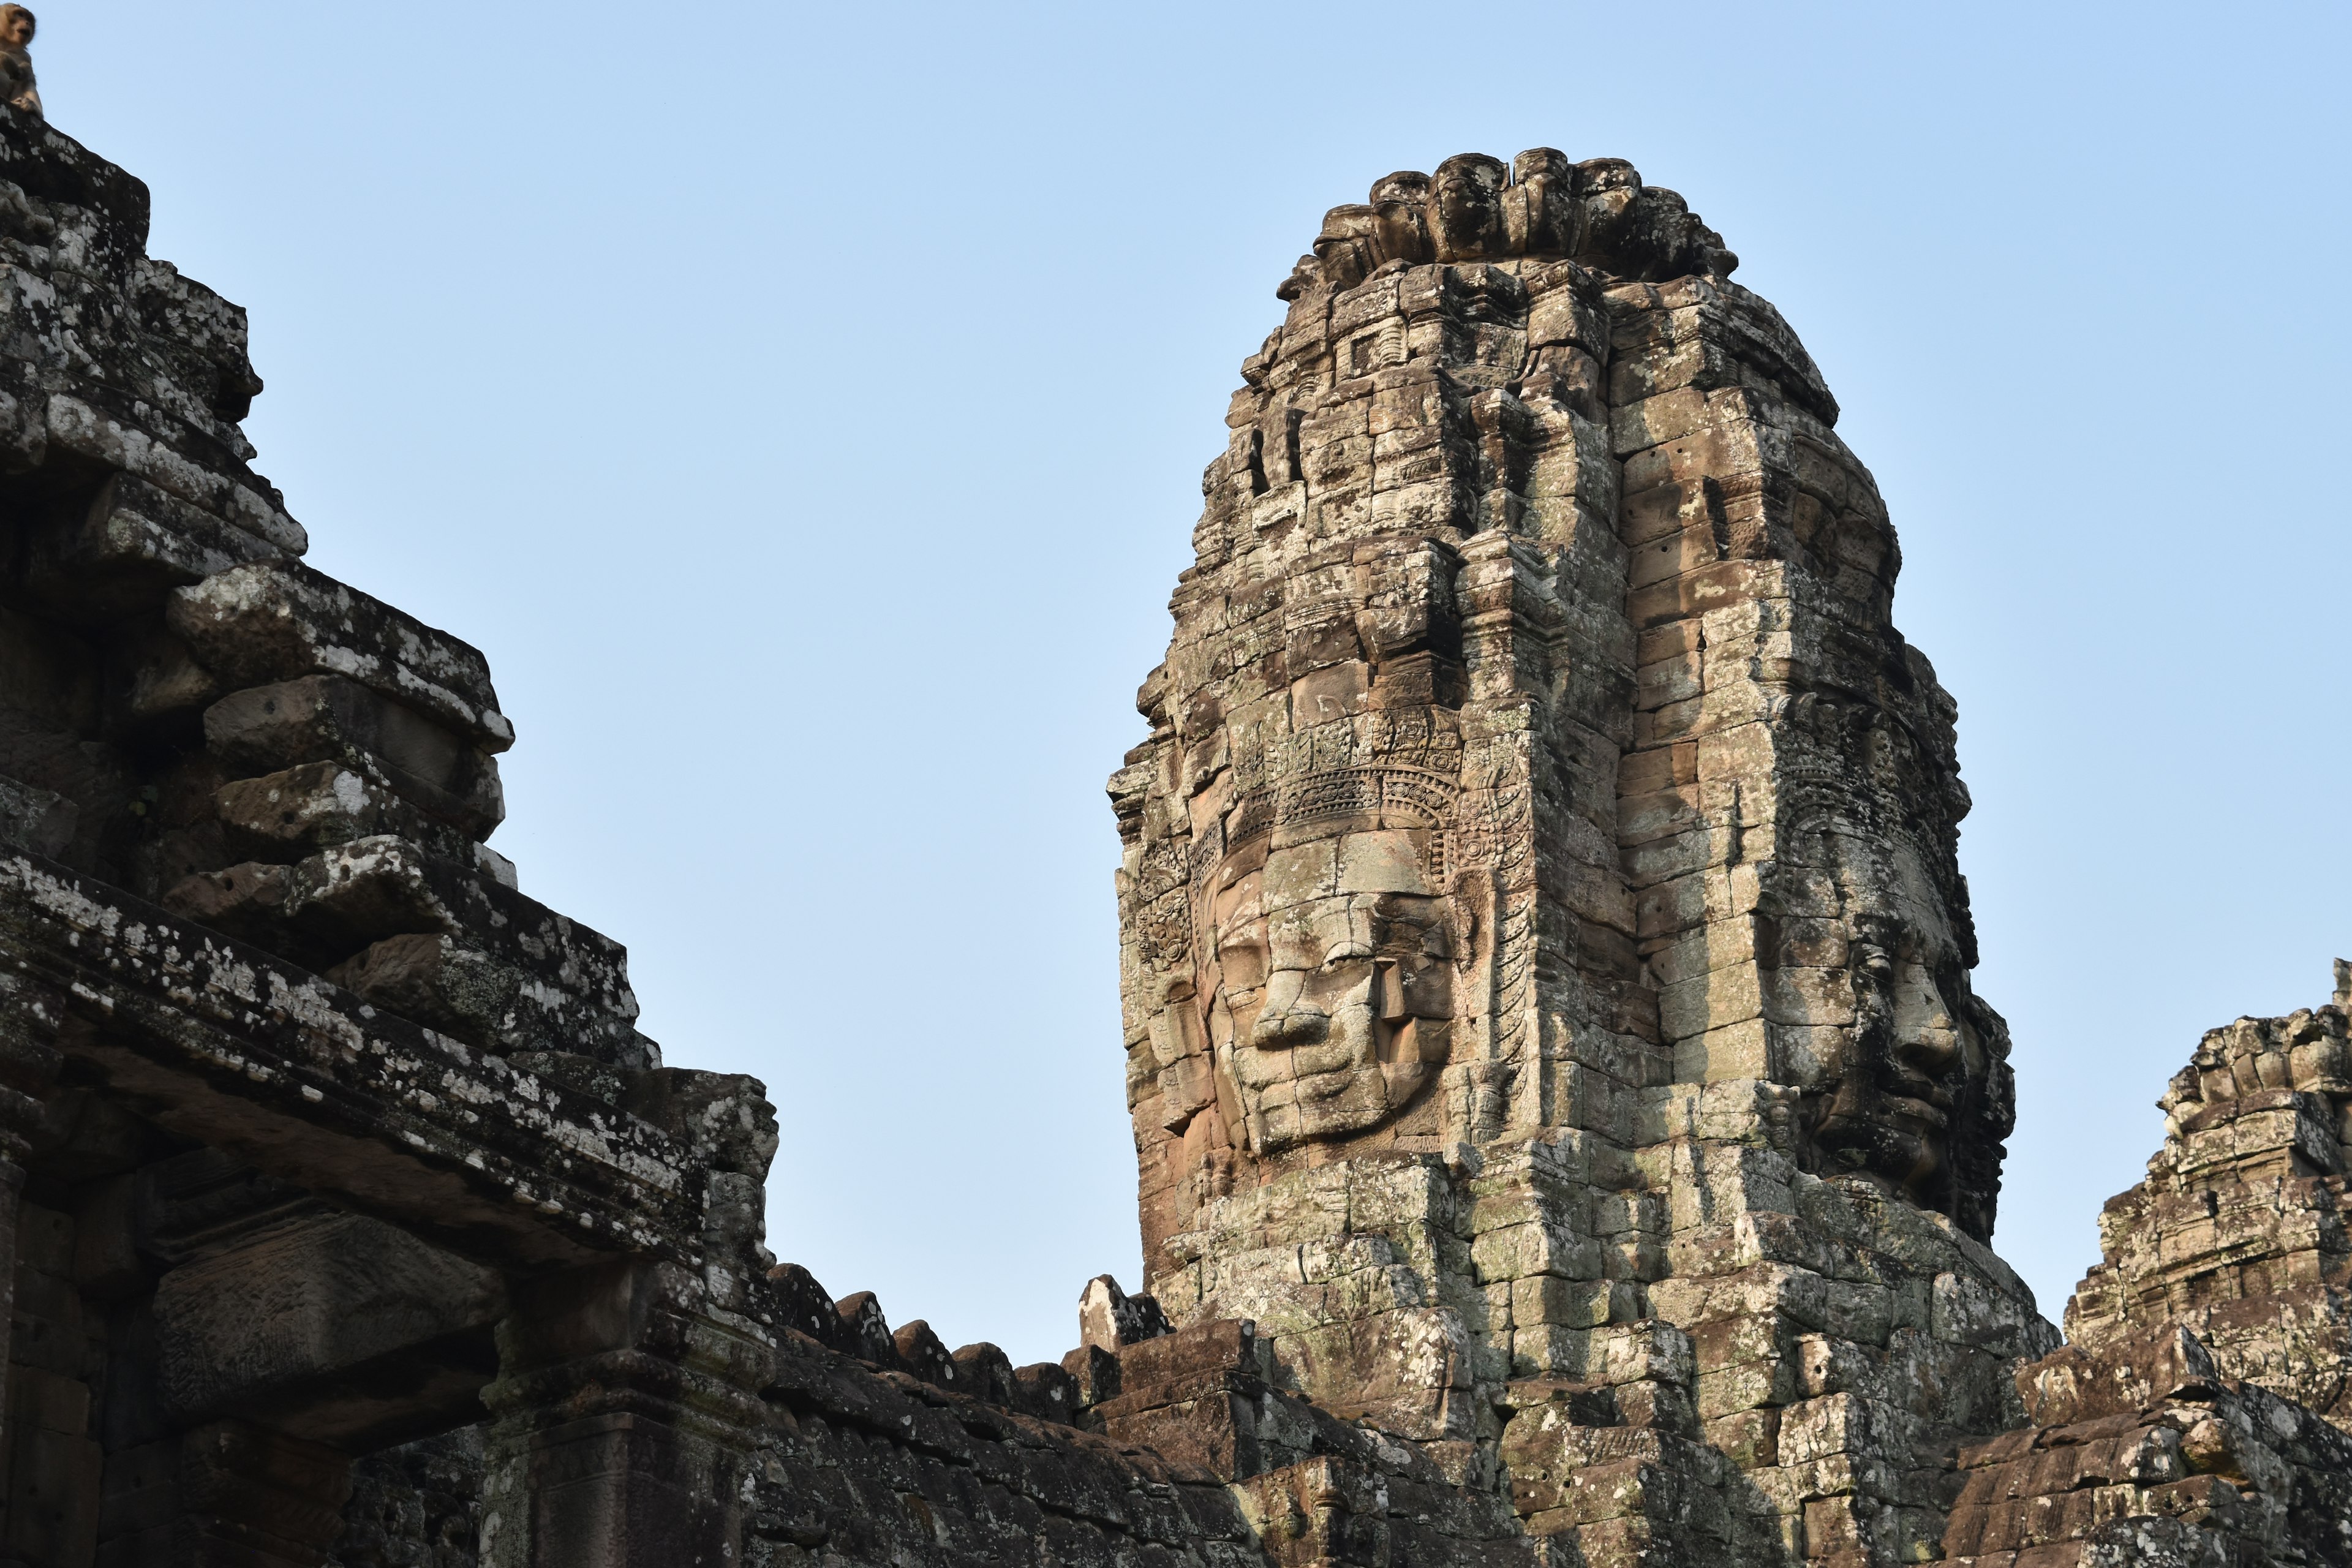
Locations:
(1108, 1317)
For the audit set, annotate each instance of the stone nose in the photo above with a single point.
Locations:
(1299, 1024)
(1933, 1048)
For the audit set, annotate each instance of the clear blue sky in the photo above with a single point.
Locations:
(804, 409)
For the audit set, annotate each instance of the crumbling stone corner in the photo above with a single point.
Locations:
(625, 1421)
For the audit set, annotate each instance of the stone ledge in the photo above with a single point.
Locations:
(214, 1039)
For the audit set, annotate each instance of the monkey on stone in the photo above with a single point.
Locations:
(17, 61)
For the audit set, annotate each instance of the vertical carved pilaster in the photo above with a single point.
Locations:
(29, 1060)
(250, 1497)
(625, 1416)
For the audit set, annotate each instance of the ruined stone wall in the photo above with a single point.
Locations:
(2198, 1414)
(2239, 1233)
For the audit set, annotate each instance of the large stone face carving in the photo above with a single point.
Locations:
(1449, 768)
(1914, 1092)
(1327, 970)
(1540, 902)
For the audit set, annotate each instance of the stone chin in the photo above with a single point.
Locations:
(1328, 985)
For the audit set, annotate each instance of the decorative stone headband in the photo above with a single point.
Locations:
(1378, 795)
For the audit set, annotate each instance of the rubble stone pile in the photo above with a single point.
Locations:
(1568, 1134)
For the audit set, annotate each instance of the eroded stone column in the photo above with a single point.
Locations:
(29, 1014)
(251, 1497)
(624, 1415)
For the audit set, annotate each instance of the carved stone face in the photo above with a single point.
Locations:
(1328, 984)
(1912, 1061)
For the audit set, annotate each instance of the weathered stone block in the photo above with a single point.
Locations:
(277, 621)
(268, 728)
(343, 1330)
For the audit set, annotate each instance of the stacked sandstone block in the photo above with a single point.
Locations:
(2239, 1233)
(2143, 1452)
(2196, 1416)
(347, 778)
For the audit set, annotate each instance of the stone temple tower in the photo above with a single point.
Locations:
(1565, 1125)
(1568, 1134)
(1546, 965)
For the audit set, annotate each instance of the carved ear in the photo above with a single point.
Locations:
(1466, 914)
(1388, 993)
(1204, 996)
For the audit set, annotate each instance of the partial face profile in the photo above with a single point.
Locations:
(15, 27)
(1916, 1097)
(1912, 1061)
(1329, 985)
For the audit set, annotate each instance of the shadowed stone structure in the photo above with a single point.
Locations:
(350, 1217)
(1568, 1134)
